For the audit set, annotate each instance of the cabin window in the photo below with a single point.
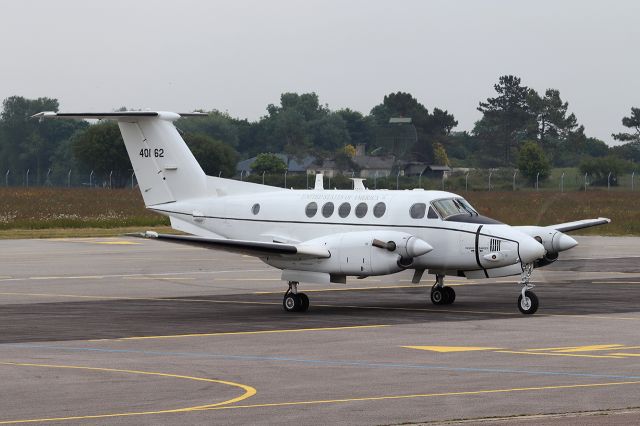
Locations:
(312, 209)
(344, 209)
(327, 209)
(361, 210)
(379, 209)
(432, 213)
(418, 210)
(255, 209)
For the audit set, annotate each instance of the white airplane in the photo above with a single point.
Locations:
(324, 236)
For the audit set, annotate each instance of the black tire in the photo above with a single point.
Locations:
(531, 307)
(291, 302)
(438, 296)
(304, 302)
(450, 295)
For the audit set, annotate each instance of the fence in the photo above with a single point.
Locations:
(472, 180)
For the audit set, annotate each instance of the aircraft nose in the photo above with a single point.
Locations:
(531, 250)
(562, 242)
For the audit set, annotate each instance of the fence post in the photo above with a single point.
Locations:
(6, 178)
(490, 173)
(91, 179)
(562, 182)
(132, 176)
(514, 179)
(27, 181)
(398, 181)
(633, 175)
(69, 179)
(285, 178)
(242, 174)
(110, 174)
(264, 171)
(48, 182)
(585, 182)
(609, 181)
(420, 179)
(466, 182)
(538, 181)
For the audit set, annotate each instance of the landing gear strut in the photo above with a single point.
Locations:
(441, 294)
(527, 301)
(294, 301)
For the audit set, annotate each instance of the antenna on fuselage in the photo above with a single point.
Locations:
(319, 182)
(358, 184)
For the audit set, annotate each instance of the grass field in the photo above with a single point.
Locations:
(57, 212)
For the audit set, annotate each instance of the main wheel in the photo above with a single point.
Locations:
(304, 302)
(529, 303)
(291, 302)
(450, 295)
(438, 296)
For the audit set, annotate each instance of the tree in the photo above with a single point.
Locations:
(599, 169)
(360, 128)
(415, 140)
(506, 118)
(217, 125)
(100, 149)
(632, 122)
(213, 155)
(440, 155)
(550, 114)
(268, 163)
(532, 160)
(26, 143)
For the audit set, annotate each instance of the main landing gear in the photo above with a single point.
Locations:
(441, 294)
(294, 301)
(528, 301)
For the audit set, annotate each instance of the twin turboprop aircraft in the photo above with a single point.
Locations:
(325, 236)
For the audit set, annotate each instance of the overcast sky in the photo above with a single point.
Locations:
(238, 56)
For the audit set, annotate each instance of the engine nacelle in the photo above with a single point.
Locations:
(552, 240)
(548, 259)
(367, 253)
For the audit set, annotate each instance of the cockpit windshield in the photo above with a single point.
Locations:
(453, 206)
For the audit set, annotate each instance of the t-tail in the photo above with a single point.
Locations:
(165, 168)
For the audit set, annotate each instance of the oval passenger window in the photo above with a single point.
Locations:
(312, 209)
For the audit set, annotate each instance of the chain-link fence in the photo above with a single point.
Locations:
(561, 180)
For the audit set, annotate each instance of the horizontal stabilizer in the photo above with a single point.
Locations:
(121, 115)
(580, 224)
(252, 248)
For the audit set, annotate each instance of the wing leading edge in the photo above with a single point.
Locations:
(252, 248)
(579, 224)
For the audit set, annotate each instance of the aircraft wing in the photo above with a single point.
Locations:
(579, 224)
(252, 248)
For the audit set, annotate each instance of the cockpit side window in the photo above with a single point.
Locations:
(432, 213)
(453, 206)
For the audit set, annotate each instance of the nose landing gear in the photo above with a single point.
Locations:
(527, 301)
(294, 301)
(441, 294)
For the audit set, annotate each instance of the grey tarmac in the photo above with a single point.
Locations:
(129, 331)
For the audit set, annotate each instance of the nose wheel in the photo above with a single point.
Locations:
(527, 301)
(441, 294)
(294, 301)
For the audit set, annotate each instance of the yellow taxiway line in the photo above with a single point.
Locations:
(243, 333)
(249, 391)
(425, 395)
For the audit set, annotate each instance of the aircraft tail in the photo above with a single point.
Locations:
(164, 166)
